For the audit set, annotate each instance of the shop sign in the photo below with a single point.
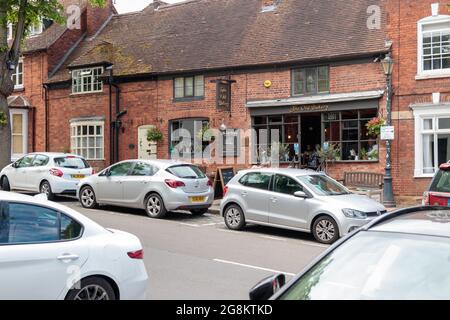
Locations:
(387, 133)
(309, 108)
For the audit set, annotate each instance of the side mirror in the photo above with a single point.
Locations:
(105, 173)
(267, 287)
(301, 194)
(15, 165)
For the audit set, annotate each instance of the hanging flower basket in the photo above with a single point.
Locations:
(154, 135)
(374, 126)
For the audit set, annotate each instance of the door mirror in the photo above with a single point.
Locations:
(301, 194)
(107, 173)
(267, 287)
(15, 165)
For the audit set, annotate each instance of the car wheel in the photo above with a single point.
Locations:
(325, 230)
(5, 184)
(92, 289)
(154, 206)
(87, 198)
(47, 190)
(234, 217)
(199, 212)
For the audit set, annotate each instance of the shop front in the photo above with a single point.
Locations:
(296, 132)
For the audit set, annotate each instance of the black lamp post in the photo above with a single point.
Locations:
(388, 193)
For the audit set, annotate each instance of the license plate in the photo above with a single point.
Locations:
(197, 199)
(78, 176)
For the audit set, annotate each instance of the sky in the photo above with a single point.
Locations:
(135, 5)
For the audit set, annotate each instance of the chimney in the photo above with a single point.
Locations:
(97, 16)
(158, 3)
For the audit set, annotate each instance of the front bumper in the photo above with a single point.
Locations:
(348, 225)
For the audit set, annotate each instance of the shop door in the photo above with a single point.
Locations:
(146, 150)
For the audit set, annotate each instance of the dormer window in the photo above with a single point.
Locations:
(36, 29)
(434, 45)
(87, 80)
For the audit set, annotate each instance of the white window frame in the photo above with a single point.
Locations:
(75, 149)
(10, 31)
(82, 75)
(421, 25)
(24, 113)
(36, 29)
(18, 86)
(421, 113)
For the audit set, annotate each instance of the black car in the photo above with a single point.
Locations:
(404, 255)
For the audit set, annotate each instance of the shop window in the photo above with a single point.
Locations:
(309, 81)
(347, 130)
(188, 138)
(87, 139)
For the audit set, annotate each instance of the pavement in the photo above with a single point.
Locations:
(198, 258)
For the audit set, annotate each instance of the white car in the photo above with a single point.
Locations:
(51, 252)
(48, 173)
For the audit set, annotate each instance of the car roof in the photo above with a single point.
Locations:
(286, 171)
(430, 221)
(160, 163)
(54, 154)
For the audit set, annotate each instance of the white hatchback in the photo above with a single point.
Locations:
(51, 252)
(48, 173)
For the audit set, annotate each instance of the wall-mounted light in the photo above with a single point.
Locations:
(11, 65)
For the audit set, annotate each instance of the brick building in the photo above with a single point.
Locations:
(46, 47)
(306, 68)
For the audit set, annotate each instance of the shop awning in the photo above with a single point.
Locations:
(317, 99)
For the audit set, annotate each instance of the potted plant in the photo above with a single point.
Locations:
(154, 135)
(364, 154)
(328, 153)
(374, 126)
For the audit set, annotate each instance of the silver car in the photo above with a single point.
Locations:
(158, 186)
(295, 199)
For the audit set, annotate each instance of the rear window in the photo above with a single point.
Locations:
(441, 182)
(71, 163)
(186, 172)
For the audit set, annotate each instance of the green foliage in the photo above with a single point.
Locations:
(374, 126)
(3, 119)
(154, 135)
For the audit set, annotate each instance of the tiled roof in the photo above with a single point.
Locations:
(211, 34)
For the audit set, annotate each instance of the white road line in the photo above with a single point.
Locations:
(190, 225)
(253, 267)
(212, 224)
(314, 244)
(273, 238)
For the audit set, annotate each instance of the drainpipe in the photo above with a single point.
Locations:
(46, 117)
(111, 127)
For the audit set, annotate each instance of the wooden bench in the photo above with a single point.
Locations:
(365, 183)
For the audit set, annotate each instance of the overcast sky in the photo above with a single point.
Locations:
(135, 5)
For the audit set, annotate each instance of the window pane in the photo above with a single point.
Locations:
(369, 150)
(428, 153)
(189, 87)
(17, 144)
(444, 123)
(70, 229)
(199, 86)
(443, 148)
(332, 131)
(22, 223)
(286, 185)
(142, 169)
(311, 80)
(258, 180)
(291, 133)
(120, 169)
(260, 120)
(350, 150)
(17, 123)
(299, 78)
(323, 80)
(179, 87)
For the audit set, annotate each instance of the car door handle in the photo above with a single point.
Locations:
(274, 200)
(68, 257)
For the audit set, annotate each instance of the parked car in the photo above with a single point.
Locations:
(49, 173)
(438, 193)
(400, 256)
(48, 252)
(157, 186)
(295, 199)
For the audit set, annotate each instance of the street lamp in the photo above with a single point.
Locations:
(388, 193)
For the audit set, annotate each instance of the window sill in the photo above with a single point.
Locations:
(424, 176)
(86, 93)
(188, 99)
(353, 161)
(427, 76)
(19, 88)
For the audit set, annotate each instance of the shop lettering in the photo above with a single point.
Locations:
(311, 108)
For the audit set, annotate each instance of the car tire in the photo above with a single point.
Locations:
(4, 184)
(199, 212)
(46, 189)
(325, 230)
(234, 217)
(87, 198)
(94, 288)
(154, 206)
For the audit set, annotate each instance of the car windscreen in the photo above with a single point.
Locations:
(441, 182)
(323, 185)
(186, 172)
(71, 163)
(379, 266)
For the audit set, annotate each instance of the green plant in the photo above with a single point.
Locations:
(328, 153)
(3, 119)
(364, 154)
(374, 126)
(154, 135)
(205, 134)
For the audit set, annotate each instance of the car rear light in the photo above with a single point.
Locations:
(225, 191)
(136, 254)
(56, 172)
(93, 171)
(438, 199)
(426, 199)
(445, 166)
(175, 184)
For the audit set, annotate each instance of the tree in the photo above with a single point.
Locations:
(21, 14)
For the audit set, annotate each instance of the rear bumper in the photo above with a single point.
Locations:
(182, 201)
(135, 288)
(64, 186)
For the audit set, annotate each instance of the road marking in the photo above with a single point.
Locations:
(314, 244)
(273, 238)
(212, 224)
(190, 225)
(230, 231)
(254, 267)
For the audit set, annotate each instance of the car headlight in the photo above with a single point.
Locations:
(351, 213)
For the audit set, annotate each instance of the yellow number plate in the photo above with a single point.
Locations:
(78, 176)
(197, 199)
